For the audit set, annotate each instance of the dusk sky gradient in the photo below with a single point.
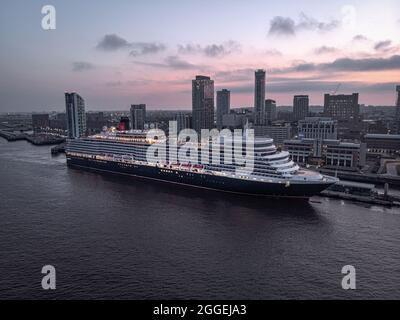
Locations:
(117, 53)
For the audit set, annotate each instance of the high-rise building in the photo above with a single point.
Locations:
(270, 111)
(398, 110)
(76, 116)
(300, 107)
(259, 97)
(342, 107)
(223, 105)
(202, 103)
(138, 116)
(183, 121)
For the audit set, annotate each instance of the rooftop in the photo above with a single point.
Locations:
(383, 136)
(355, 184)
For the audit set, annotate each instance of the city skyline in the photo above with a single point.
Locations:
(115, 55)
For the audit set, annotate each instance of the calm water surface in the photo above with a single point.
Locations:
(113, 237)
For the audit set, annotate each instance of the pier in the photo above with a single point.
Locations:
(364, 177)
(36, 139)
(361, 192)
(58, 149)
(12, 136)
(44, 139)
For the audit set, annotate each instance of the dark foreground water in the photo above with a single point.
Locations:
(124, 238)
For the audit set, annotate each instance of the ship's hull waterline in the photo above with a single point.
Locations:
(199, 180)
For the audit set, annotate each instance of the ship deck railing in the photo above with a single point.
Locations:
(192, 168)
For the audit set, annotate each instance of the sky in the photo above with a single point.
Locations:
(122, 52)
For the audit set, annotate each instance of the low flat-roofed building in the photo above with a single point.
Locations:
(279, 133)
(344, 154)
(318, 128)
(382, 143)
(333, 153)
(300, 150)
(233, 120)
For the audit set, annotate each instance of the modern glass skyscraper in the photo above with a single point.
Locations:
(75, 114)
(202, 103)
(270, 111)
(259, 97)
(138, 116)
(183, 121)
(223, 105)
(300, 107)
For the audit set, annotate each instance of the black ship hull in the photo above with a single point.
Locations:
(215, 182)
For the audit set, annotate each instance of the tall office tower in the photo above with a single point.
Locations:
(300, 107)
(270, 111)
(75, 114)
(259, 97)
(223, 105)
(183, 121)
(202, 103)
(398, 110)
(138, 116)
(342, 107)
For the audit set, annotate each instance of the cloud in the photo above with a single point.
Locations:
(119, 83)
(246, 74)
(171, 62)
(309, 23)
(360, 37)
(325, 50)
(273, 52)
(80, 66)
(112, 42)
(382, 45)
(295, 86)
(288, 27)
(113, 84)
(222, 49)
(174, 62)
(346, 64)
(282, 26)
(370, 64)
(189, 48)
(212, 50)
(143, 48)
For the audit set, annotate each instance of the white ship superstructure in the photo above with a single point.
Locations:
(126, 152)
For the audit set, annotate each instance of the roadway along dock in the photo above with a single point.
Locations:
(361, 192)
(380, 179)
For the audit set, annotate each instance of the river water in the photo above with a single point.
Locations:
(112, 237)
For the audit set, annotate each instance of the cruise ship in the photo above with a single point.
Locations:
(124, 152)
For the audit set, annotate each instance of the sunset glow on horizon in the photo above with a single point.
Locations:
(117, 54)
